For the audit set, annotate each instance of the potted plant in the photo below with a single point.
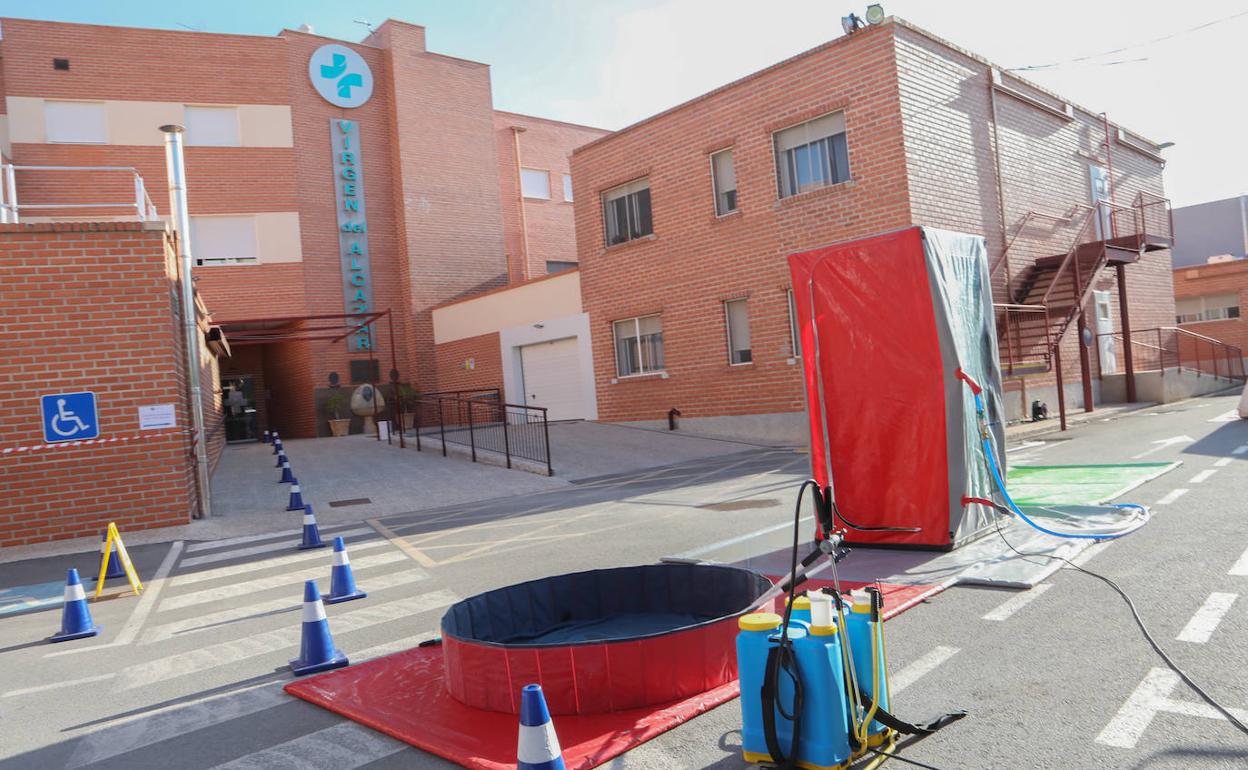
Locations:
(408, 397)
(335, 408)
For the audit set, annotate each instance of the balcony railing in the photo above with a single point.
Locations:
(48, 193)
(1170, 347)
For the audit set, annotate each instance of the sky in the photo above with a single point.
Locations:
(609, 64)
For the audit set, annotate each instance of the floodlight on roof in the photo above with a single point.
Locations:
(875, 13)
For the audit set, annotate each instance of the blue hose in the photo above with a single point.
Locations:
(996, 476)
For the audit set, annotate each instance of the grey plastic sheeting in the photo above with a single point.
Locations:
(957, 267)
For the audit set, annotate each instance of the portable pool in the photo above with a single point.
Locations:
(599, 641)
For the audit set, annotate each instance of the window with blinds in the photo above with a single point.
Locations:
(1215, 307)
(626, 212)
(812, 155)
(724, 181)
(639, 346)
(737, 315)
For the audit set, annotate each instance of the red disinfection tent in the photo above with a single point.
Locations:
(894, 328)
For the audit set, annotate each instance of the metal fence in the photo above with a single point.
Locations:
(481, 421)
(1168, 347)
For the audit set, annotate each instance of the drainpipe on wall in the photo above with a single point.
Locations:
(516, 131)
(175, 169)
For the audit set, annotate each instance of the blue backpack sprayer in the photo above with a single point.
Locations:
(814, 683)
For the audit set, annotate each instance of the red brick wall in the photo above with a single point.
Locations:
(545, 229)
(91, 307)
(487, 364)
(695, 261)
(1204, 280)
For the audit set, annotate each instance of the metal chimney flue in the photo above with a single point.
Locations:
(175, 171)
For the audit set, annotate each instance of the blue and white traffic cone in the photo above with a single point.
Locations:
(311, 535)
(265, 438)
(115, 570)
(281, 458)
(287, 476)
(341, 581)
(538, 747)
(277, 443)
(76, 620)
(316, 650)
(296, 497)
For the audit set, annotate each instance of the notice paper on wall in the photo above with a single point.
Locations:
(157, 416)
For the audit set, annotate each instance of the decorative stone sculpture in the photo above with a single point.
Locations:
(367, 401)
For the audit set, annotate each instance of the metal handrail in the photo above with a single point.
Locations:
(11, 207)
(484, 423)
(1230, 355)
(1011, 335)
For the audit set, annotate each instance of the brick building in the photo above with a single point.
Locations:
(1209, 300)
(95, 307)
(325, 177)
(684, 220)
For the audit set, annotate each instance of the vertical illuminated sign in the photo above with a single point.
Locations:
(357, 282)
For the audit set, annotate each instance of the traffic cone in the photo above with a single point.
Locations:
(115, 570)
(316, 650)
(265, 439)
(311, 535)
(76, 620)
(341, 581)
(287, 476)
(281, 458)
(296, 497)
(277, 443)
(538, 747)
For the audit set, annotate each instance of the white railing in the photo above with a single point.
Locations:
(11, 207)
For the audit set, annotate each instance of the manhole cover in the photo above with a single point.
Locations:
(345, 503)
(741, 505)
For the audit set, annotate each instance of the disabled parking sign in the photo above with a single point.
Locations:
(69, 417)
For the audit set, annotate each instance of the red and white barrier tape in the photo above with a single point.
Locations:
(86, 442)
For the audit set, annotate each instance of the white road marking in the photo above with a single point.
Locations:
(150, 727)
(1090, 552)
(1230, 416)
(147, 601)
(341, 747)
(57, 685)
(1016, 603)
(1163, 443)
(273, 581)
(179, 628)
(1241, 567)
(235, 651)
(288, 544)
(1203, 475)
(924, 665)
(1171, 496)
(1225, 461)
(1206, 620)
(208, 545)
(1149, 698)
(276, 561)
(1240, 450)
(697, 552)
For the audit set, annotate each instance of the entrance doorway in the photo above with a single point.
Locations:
(238, 400)
(1106, 348)
(551, 372)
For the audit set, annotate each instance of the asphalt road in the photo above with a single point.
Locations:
(189, 675)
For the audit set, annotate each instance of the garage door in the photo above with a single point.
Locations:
(552, 378)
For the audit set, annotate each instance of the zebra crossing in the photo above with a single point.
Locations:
(218, 639)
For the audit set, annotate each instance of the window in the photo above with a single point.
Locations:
(795, 331)
(812, 155)
(626, 210)
(558, 266)
(724, 180)
(535, 183)
(1216, 307)
(737, 316)
(224, 240)
(567, 187)
(75, 122)
(639, 346)
(212, 126)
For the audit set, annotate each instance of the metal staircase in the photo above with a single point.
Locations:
(1046, 297)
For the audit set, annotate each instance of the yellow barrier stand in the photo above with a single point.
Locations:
(115, 537)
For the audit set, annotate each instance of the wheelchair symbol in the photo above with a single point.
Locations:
(70, 417)
(63, 418)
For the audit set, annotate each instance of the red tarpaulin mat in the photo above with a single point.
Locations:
(405, 697)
